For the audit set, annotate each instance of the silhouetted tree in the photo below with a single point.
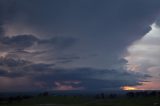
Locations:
(45, 94)
(112, 96)
(130, 94)
(102, 95)
(10, 99)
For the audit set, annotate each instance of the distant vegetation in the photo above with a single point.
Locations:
(139, 98)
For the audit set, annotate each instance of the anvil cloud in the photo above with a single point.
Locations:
(71, 44)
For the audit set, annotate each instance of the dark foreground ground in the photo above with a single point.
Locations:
(51, 100)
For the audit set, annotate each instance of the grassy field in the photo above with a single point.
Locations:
(86, 101)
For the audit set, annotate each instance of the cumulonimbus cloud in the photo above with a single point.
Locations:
(104, 28)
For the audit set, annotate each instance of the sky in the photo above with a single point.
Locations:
(84, 45)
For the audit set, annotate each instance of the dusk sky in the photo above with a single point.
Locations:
(98, 45)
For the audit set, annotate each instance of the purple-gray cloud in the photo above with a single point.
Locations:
(51, 41)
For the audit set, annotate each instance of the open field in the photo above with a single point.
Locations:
(86, 101)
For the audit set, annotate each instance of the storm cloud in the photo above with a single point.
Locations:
(45, 76)
(72, 44)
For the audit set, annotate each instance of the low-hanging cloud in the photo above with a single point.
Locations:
(71, 79)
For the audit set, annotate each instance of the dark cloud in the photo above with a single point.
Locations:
(102, 27)
(40, 67)
(31, 48)
(67, 59)
(38, 35)
(96, 24)
(21, 42)
(6, 12)
(88, 78)
(59, 43)
(94, 79)
(91, 17)
(11, 62)
(16, 67)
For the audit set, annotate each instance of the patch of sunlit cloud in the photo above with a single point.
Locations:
(145, 50)
(128, 88)
(144, 56)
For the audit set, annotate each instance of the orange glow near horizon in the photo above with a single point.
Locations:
(128, 88)
(154, 85)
